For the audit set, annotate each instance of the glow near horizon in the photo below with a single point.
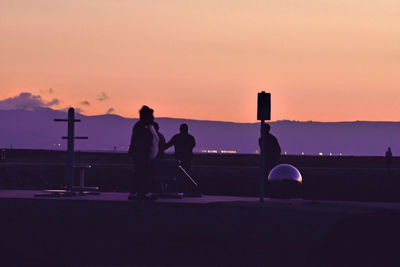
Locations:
(321, 60)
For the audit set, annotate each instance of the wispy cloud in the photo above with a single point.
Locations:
(110, 111)
(85, 103)
(27, 101)
(102, 96)
(48, 91)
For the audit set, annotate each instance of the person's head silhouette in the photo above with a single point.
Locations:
(146, 114)
(389, 148)
(183, 128)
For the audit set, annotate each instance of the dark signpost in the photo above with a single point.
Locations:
(263, 114)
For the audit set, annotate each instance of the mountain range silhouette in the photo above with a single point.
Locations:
(36, 129)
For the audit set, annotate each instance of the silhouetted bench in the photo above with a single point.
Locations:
(93, 190)
(80, 189)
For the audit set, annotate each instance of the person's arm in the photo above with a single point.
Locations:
(260, 145)
(278, 147)
(161, 142)
(170, 143)
(130, 151)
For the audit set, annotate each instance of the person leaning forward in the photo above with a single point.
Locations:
(143, 149)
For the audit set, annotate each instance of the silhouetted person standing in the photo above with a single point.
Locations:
(272, 149)
(143, 149)
(389, 157)
(161, 142)
(184, 144)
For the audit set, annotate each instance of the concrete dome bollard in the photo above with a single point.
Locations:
(284, 181)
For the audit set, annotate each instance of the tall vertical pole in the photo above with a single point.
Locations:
(69, 172)
(71, 138)
(263, 113)
(262, 163)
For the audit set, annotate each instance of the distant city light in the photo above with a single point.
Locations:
(212, 151)
(215, 151)
(302, 153)
(320, 153)
(330, 154)
(228, 151)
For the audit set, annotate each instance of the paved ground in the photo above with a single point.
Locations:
(206, 199)
(113, 196)
(213, 230)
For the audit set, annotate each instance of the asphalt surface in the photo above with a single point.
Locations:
(109, 230)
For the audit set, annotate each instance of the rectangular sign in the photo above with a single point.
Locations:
(264, 106)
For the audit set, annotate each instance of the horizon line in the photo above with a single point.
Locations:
(189, 119)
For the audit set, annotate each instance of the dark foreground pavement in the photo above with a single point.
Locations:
(108, 230)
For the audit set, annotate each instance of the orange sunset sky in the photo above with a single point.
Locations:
(321, 60)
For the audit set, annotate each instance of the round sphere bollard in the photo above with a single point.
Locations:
(284, 181)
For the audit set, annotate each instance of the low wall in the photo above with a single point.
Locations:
(335, 178)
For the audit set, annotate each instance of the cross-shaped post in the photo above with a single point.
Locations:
(69, 177)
